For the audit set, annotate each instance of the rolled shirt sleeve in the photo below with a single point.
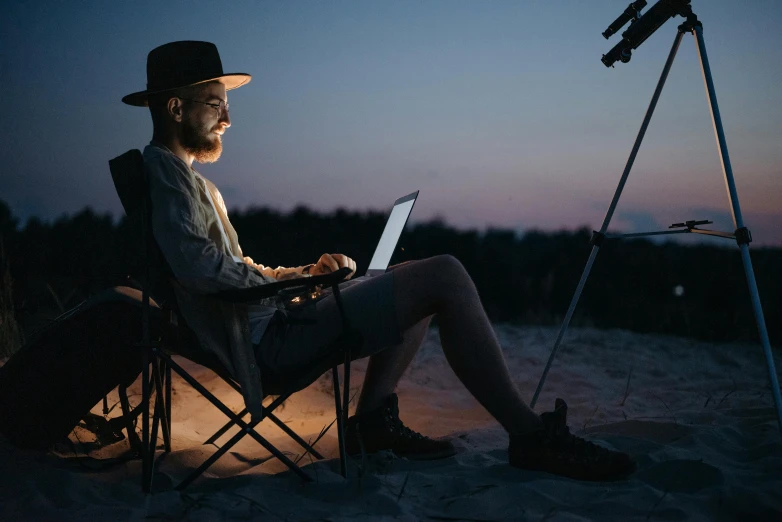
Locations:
(231, 237)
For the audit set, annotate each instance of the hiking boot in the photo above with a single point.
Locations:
(381, 429)
(554, 449)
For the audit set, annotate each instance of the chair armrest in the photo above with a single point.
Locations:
(255, 293)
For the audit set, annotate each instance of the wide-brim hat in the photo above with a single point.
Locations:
(181, 64)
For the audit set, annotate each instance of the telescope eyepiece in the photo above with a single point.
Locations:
(632, 12)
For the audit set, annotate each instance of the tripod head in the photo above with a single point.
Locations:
(642, 26)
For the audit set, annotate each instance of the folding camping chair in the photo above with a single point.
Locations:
(175, 338)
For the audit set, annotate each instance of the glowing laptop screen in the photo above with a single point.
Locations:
(394, 226)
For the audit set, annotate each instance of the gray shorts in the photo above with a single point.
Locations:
(290, 350)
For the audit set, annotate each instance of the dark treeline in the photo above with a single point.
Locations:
(529, 278)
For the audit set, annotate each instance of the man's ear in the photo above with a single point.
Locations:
(174, 109)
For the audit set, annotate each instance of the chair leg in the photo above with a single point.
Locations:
(345, 412)
(153, 438)
(245, 428)
(292, 434)
(161, 405)
(228, 425)
(343, 464)
(211, 460)
(268, 412)
(168, 400)
(128, 415)
(159, 420)
(342, 411)
(146, 455)
(248, 429)
(284, 427)
(346, 387)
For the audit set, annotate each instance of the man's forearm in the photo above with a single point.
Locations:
(280, 272)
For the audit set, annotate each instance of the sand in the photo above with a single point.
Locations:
(698, 417)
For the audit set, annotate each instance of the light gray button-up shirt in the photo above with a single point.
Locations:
(202, 254)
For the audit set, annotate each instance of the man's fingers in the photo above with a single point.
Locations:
(347, 262)
(327, 264)
(341, 260)
(331, 262)
(344, 261)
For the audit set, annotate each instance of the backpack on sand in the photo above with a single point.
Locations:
(53, 381)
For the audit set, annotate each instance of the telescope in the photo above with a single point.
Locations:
(641, 26)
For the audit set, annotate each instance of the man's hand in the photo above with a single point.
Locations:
(331, 262)
(292, 275)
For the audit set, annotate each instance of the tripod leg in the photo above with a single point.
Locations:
(610, 213)
(565, 322)
(738, 220)
(761, 323)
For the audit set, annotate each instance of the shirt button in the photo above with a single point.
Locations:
(252, 366)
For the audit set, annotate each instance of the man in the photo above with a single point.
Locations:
(187, 98)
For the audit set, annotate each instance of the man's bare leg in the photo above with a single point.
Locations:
(386, 368)
(440, 285)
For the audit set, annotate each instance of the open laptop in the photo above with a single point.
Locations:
(390, 237)
(388, 240)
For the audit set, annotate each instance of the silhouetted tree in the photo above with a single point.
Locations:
(521, 278)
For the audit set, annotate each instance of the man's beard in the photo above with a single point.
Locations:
(197, 143)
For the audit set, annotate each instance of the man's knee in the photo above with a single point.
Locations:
(449, 267)
(436, 276)
(428, 286)
(448, 278)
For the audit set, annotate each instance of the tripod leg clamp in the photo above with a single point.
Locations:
(743, 236)
(597, 238)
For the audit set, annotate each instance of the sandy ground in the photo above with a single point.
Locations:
(698, 418)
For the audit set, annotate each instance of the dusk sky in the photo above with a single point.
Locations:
(499, 112)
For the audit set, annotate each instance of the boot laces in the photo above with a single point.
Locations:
(576, 446)
(395, 425)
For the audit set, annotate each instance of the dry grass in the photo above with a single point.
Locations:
(11, 338)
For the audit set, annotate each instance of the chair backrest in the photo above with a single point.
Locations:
(127, 172)
(130, 180)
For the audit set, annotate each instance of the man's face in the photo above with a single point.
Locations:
(204, 125)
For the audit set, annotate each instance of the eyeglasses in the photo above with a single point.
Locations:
(221, 108)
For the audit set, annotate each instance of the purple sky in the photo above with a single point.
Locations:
(499, 112)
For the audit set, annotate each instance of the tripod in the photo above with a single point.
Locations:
(741, 234)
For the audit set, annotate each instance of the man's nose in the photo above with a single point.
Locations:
(225, 119)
